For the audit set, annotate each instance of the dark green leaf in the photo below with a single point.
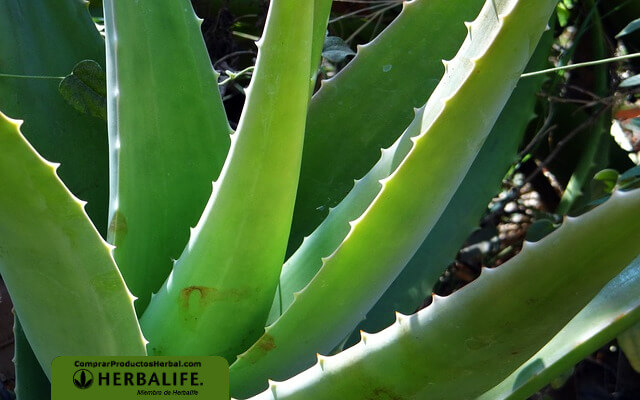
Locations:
(31, 381)
(604, 182)
(629, 82)
(85, 89)
(632, 27)
(336, 50)
(539, 229)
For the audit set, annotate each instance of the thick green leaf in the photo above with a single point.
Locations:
(218, 296)
(613, 310)
(336, 50)
(48, 38)
(321, 12)
(168, 135)
(368, 105)
(462, 345)
(408, 291)
(60, 273)
(476, 85)
(438, 249)
(632, 27)
(31, 382)
(362, 116)
(464, 210)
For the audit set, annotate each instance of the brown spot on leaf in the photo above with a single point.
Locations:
(201, 291)
(266, 342)
(382, 393)
(208, 295)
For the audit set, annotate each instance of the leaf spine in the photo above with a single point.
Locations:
(384, 181)
(400, 318)
(525, 245)
(363, 337)
(469, 26)
(259, 43)
(321, 360)
(53, 165)
(446, 66)
(272, 388)
(486, 270)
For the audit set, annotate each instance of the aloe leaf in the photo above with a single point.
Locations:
(485, 175)
(31, 382)
(615, 309)
(332, 143)
(50, 250)
(630, 28)
(368, 105)
(218, 295)
(321, 13)
(46, 39)
(476, 85)
(478, 335)
(168, 135)
(304, 264)
(464, 210)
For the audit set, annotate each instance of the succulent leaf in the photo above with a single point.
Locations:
(456, 120)
(50, 250)
(65, 35)
(615, 309)
(218, 296)
(31, 382)
(465, 209)
(321, 13)
(498, 334)
(168, 135)
(365, 108)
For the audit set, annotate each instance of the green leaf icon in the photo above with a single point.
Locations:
(83, 382)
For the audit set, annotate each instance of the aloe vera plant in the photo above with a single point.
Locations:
(255, 244)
